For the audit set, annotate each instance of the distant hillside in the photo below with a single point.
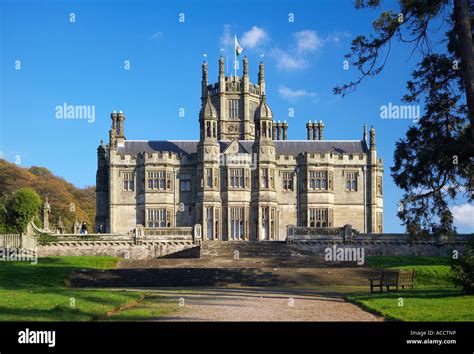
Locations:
(59, 192)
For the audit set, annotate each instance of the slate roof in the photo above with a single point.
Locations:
(283, 147)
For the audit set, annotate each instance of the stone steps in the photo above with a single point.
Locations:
(215, 254)
(249, 249)
(182, 277)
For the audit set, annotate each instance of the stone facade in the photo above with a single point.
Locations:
(243, 179)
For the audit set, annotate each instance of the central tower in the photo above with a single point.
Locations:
(236, 100)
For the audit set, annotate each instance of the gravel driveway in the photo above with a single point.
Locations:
(250, 304)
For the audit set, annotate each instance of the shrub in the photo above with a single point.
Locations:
(462, 270)
(20, 208)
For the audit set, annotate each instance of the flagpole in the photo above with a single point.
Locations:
(235, 56)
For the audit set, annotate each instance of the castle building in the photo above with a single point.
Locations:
(243, 179)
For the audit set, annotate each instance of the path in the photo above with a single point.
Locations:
(260, 304)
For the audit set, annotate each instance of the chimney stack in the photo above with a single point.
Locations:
(315, 130)
(321, 127)
(285, 128)
(309, 127)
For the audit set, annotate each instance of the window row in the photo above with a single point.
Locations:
(160, 217)
(159, 180)
(233, 106)
(320, 217)
(238, 178)
(128, 181)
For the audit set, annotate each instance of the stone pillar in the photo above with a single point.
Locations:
(285, 129)
(275, 137)
(315, 131)
(77, 227)
(346, 232)
(280, 130)
(204, 82)
(60, 226)
(46, 211)
(197, 233)
(309, 127)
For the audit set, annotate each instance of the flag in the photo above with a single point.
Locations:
(238, 48)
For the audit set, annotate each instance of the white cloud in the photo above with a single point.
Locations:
(226, 39)
(337, 37)
(307, 41)
(464, 214)
(286, 61)
(253, 38)
(293, 94)
(157, 35)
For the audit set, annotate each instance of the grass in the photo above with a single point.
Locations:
(39, 292)
(152, 307)
(434, 298)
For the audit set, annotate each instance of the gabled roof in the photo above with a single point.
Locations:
(234, 147)
(283, 147)
(133, 147)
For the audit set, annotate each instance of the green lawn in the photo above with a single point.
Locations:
(152, 307)
(39, 292)
(434, 298)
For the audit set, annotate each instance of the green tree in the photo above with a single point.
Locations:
(432, 163)
(462, 270)
(20, 208)
(3, 218)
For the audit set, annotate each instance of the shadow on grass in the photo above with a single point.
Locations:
(49, 272)
(404, 261)
(57, 313)
(419, 294)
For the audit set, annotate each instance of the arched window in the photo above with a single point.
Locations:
(348, 185)
(318, 224)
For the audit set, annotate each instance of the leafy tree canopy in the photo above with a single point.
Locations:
(432, 163)
(20, 208)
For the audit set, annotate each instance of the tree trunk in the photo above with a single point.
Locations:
(463, 28)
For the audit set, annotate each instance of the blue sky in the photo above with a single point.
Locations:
(82, 62)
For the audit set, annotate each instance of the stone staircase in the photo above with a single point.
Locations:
(264, 264)
(223, 254)
(243, 249)
(182, 277)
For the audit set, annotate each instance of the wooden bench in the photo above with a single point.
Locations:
(393, 278)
